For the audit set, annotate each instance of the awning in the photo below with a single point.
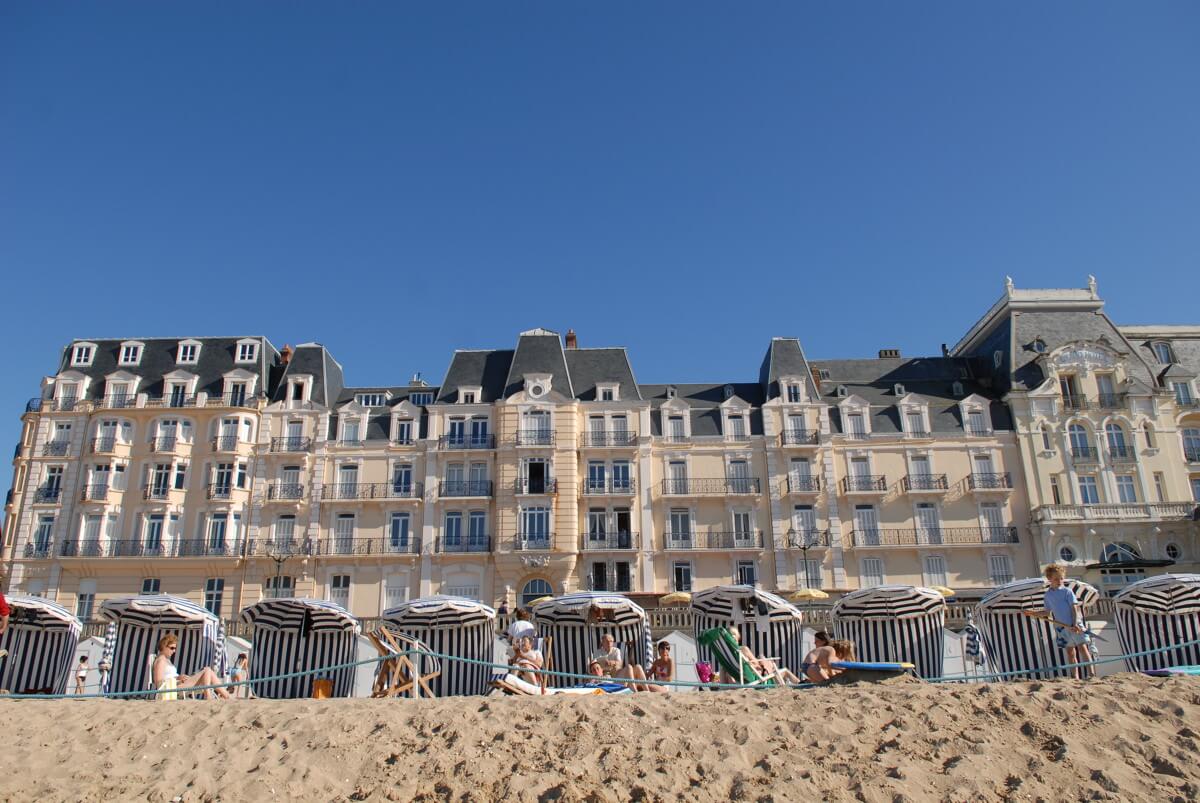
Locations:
(440, 611)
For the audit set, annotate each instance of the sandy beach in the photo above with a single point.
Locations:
(1121, 738)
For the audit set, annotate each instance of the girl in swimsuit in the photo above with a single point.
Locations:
(663, 667)
(164, 669)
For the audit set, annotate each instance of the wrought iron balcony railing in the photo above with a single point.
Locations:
(864, 483)
(371, 490)
(607, 541)
(1084, 454)
(220, 490)
(711, 487)
(35, 550)
(535, 542)
(118, 401)
(237, 399)
(535, 437)
(978, 432)
(797, 437)
(609, 487)
(367, 546)
(528, 486)
(464, 544)
(989, 481)
(467, 442)
(74, 548)
(281, 547)
(34, 405)
(942, 536)
(137, 549)
(56, 448)
(452, 488)
(803, 484)
(164, 443)
(66, 404)
(48, 493)
(714, 539)
(207, 547)
(292, 444)
(1122, 454)
(1110, 401)
(404, 440)
(225, 443)
(94, 493)
(607, 438)
(158, 491)
(175, 400)
(1075, 403)
(104, 445)
(285, 490)
(926, 482)
(808, 539)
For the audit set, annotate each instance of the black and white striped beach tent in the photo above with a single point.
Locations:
(298, 635)
(576, 622)
(41, 639)
(141, 621)
(452, 626)
(895, 624)
(1157, 612)
(769, 625)
(1017, 643)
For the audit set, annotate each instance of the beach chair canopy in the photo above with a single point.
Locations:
(1017, 643)
(140, 621)
(454, 626)
(769, 625)
(896, 624)
(575, 622)
(296, 635)
(41, 639)
(1157, 613)
(588, 607)
(293, 613)
(1029, 595)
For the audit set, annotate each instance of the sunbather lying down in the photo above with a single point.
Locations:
(512, 684)
(765, 667)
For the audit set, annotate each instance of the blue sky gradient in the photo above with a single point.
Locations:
(685, 179)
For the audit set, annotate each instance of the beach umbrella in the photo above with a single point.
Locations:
(455, 626)
(807, 595)
(676, 598)
(945, 591)
(1156, 613)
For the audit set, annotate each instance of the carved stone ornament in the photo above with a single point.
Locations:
(1083, 355)
(535, 561)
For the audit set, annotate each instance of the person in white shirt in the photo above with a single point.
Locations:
(521, 627)
(608, 655)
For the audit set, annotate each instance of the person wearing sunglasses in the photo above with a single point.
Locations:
(166, 676)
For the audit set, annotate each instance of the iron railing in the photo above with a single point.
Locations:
(989, 481)
(204, 547)
(37, 550)
(1122, 454)
(464, 544)
(864, 483)
(450, 488)
(157, 492)
(608, 438)
(714, 539)
(401, 440)
(225, 443)
(94, 493)
(926, 482)
(34, 405)
(370, 490)
(104, 445)
(66, 404)
(118, 401)
(711, 487)
(541, 542)
(137, 549)
(164, 443)
(56, 448)
(1075, 403)
(535, 437)
(942, 536)
(1111, 401)
(803, 485)
(232, 400)
(285, 490)
(606, 541)
(527, 486)
(175, 400)
(808, 539)
(609, 487)
(75, 548)
(47, 493)
(1084, 454)
(467, 442)
(293, 444)
(276, 548)
(220, 490)
(797, 437)
(366, 546)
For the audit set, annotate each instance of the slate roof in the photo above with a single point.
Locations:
(539, 352)
(784, 357)
(1057, 328)
(312, 359)
(487, 370)
(704, 402)
(591, 367)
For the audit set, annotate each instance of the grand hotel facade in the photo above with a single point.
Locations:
(225, 470)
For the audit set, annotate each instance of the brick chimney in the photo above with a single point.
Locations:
(572, 343)
(285, 356)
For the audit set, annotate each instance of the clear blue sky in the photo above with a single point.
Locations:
(686, 179)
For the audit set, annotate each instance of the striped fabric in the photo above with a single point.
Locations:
(973, 643)
(1160, 612)
(298, 635)
(1015, 642)
(719, 643)
(576, 622)
(770, 626)
(451, 626)
(895, 624)
(140, 622)
(41, 639)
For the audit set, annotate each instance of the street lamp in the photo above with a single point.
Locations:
(280, 555)
(803, 544)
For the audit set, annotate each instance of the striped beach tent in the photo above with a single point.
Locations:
(141, 621)
(297, 635)
(895, 624)
(1157, 612)
(769, 625)
(451, 626)
(576, 622)
(1017, 643)
(41, 639)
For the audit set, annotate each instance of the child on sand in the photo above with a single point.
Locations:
(1062, 609)
(81, 674)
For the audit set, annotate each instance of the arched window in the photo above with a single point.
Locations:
(1148, 430)
(1117, 445)
(1079, 440)
(535, 589)
(1119, 553)
(1163, 353)
(1046, 444)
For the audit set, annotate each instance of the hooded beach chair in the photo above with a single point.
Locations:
(728, 654)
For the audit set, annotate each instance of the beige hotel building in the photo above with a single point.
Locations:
(225, 470)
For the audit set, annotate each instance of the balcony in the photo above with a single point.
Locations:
(1187, 404)
(37, 551)
(609, 487)
(464, 488)
(711, 487)
(175, 400)
(235, 399)
(56, 448)
(925, 483)
(1168, 511)
(371, 490)
(206, 548)
(1075, 403)
(535, 437)
(137, 549)
(159, 492)
(917, 434)
(94, 493)
(530, 487)
(64, 405)
(1085, 454)
(808, 539)
(164, 443)
(80, 549)
(797, 437)
(118, 401)
(803, 484)
(268, 547)
(285, 491)
(1122, 454)
(607, 440)
(677, 437)
(347, 443)
(48, 493)
(367, 546)
(34, 405)
(864, 484)
(467, 442)
(1191, 454)
(539, 542)
(220, 490)
(104, 445)
(225, 443)
(404, 440)
(464, 546)
(294, 444)
(1110, 401)
(714, 540)
(978, 432)
(989, 481)
(608, 542)
(943, 536)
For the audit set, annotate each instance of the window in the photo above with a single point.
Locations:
(402, 479)
(675, 428)
(477, 527)
(1173, 551)
(934, 570)
(350, 430)
(214, 593)
(866, 526)
(1149, 433)
(151, 585)
(216, 532)
(793, 393)
(131, 353)
(247, 351)
(535, 589)
(242, 473)
(395, 590)
(421, 398)
(1195, 488)
(452, 528)
(681, 525)
(737, 427)
(535, 526)
(1089, 494)
(1183, 393)
(41, 537)
(1160, 489)
(339, 590)
(468, 397)
(1126, 490)
(83, 606)
(746, 573)
(371, 399)
(1066, 554)
(1046, 438)
(285, 532)
(975, 422)
(872, 572)
(810, 574)
(152, 533)
(1080, 446)
(681, 574)
(343, 533)
(1039, 346)
(181, 476)
(857, 426)
(398, 532)
(279, 586)
(81, 354)
(608, 393)
(915, 422)
(1117, 446)
(743, 527)
(188, 354)
(404, 431)
(1163, 353)
(1191, 444)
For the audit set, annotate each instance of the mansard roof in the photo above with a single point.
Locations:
(704, 401)
(539, 351)
(609, 366)
(486, 370)
(784, 357)
(312, 359)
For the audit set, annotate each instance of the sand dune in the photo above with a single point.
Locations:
(1121, 738)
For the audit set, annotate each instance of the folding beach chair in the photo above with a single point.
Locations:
(500, 680)
(397, 674)
(728, 655)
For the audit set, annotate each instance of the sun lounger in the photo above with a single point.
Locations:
(1172, 670)
(729, 658)
(511, 684)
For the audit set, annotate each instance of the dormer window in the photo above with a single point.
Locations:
(247, 350)
(1163, 353)
(131, 353)
(371, 399)
(189, 353)
(914, 423)
(841, 391)
(82, 354)
(469, 395)
(1039, 346)
(421, 398)
(606, 392)
(737, 426)
(898, 389)
(793, 393)
(729, 391)
(670, 391)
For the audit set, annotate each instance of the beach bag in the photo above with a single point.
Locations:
(704, 671)
(322, 689)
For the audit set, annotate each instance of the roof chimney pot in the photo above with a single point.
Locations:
(572, 342)
(285, 355)
(888, 353)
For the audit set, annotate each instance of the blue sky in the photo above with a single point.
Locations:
(686, 179)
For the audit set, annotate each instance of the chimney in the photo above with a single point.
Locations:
(816, 375)
(945, 351)
(285, 356)
(888, 353)
(572, 343)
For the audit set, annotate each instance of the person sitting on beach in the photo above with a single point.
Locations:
(765, 667)
(1063, 611)
(165, 671)
(521, 627)
(608, 656)
(526, 659)
(663, 667)
(816, 665)
(238, 675)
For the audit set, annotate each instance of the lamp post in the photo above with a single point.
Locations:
(803, 545)
(280, 555)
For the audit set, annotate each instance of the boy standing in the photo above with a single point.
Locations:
(1064, 613)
